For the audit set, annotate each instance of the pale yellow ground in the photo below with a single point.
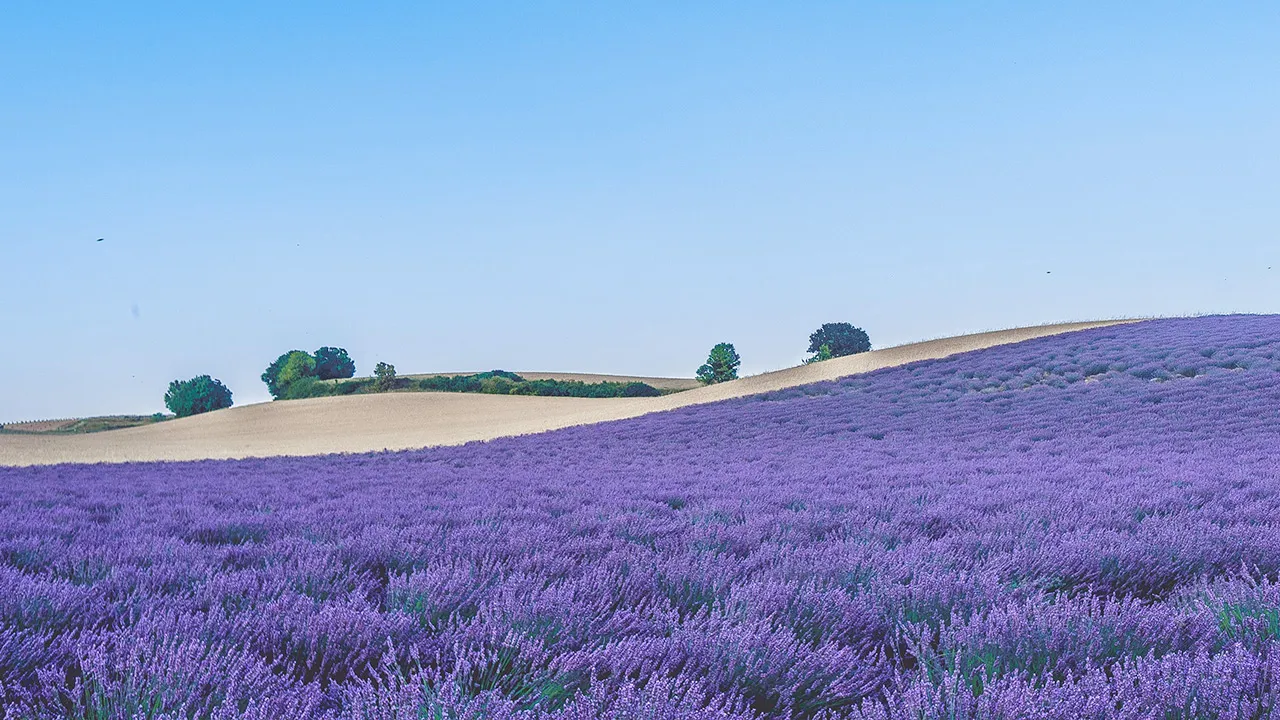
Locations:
(398, 421)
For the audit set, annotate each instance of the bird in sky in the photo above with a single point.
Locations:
(99, 239)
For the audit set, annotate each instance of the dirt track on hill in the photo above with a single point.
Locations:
(400, 421)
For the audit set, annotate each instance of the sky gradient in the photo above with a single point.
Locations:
(605, 188)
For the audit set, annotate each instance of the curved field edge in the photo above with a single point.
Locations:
(405, 421)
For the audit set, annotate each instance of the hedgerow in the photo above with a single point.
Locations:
(500, 382)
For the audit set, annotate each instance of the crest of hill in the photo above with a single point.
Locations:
(402, 421)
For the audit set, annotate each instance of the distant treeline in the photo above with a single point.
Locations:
(299, 374)
(494, 382)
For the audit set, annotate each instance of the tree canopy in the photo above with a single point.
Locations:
(334, 363)
(197, 395)
(384, 376)
(840, 339)
(287, 369)
(722, 364)
(823, 353)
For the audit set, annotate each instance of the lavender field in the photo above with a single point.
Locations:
(1081, 526)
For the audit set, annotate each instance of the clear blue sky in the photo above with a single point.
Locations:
(609, 187)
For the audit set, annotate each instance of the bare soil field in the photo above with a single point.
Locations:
(401, 421)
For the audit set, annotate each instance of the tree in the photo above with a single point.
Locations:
(198, 395)
(840, 338)
(823, 353)
(334, 363)
(722, 364)
(287, 369)
(384, 377)
(297, 366)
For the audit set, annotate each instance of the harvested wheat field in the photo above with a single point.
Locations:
(401, 421)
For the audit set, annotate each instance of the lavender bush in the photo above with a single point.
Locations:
(1081, 526)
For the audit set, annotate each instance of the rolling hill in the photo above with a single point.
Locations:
(400, 421)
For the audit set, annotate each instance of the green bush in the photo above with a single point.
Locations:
(272, 372)
(333, 363)
(721, 365)
(840, 339)
(577, 388)
(556, 388)
(328, 363)
(384, 377)
(197, 395)
(496, 385)
(639, 389)
(500, 382)
(451, 383)
(286, 369)
(499, 374)
(307, 387)
(297, 366)
(351, 387)
(823, 353)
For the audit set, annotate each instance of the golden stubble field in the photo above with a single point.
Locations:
(401, 421)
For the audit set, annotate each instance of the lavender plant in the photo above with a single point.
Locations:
(1080, 526)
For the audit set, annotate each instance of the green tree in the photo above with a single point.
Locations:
(297, 365)
(823, 353)
(840, 338)
(286, 369)
(198, 395)
(384, 377)
(722, 364)
(334, 363)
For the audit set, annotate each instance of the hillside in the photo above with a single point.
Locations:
(1080, 525)
(413, 420)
